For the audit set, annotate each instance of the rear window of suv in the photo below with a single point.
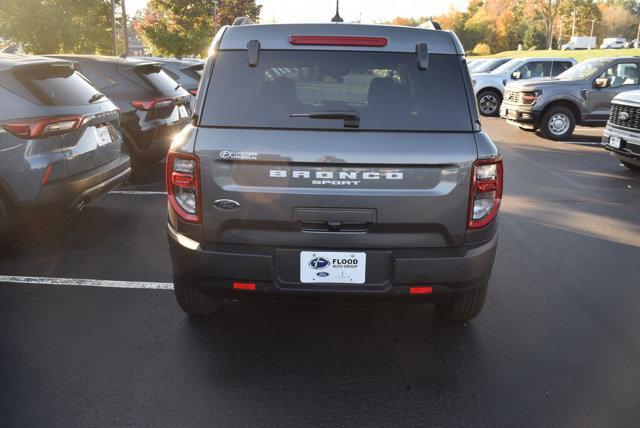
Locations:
(155, 76)
(54, 86)
(387, 90)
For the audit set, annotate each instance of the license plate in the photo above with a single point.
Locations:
(332, 267)
(182, 111)
(614, 142)
(103, 135)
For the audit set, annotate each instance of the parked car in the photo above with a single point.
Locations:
(473, 63)
(298, 178)
(489, 87)
(631, 44)
(613, 43)
(489, 65)
(579, 42)
(581, 95)
(186, 72)
(153, 106)
(622, 134)
(60, 144)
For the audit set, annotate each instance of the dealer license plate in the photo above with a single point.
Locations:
(332, 267)
(104, 138)
(614, 142)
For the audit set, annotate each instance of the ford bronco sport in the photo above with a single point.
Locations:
(334, 162)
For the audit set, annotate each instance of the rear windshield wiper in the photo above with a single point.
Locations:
(351, 117)
(95, 97)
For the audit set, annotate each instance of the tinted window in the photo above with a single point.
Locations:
(387, 90)
(56, 85)
(560, 67)
(621, 75)
(157, 78)
(97, 78)
(535, 69)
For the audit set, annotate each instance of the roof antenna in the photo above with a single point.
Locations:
(337, 18)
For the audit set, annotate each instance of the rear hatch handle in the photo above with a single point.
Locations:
(334, 219)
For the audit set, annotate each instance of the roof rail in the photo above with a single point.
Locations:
(242, 20)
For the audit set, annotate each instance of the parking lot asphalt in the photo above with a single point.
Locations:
(558, 342)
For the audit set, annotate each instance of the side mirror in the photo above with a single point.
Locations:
(516, 75)
(601, 83)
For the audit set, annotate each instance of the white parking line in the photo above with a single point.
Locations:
(135, 192)
(76, 282)
(588, 143)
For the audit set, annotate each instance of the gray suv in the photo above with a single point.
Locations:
(334, 162)
(581, 95)
(622, 134)
(60, 140)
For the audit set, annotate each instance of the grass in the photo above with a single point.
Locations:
(579, 55)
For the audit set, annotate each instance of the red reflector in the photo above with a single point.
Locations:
(45, 176)
(182, 180)
(377, 42)
(244, 286)
(484, 186)
(420, 290)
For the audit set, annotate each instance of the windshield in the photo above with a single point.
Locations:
(386, 90)
(489, 65)
(584, 69)
(508, 66)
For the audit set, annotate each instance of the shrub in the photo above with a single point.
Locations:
(482, 49)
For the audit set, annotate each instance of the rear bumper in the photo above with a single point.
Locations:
(67, 193)
(520, 116)
(275, 271)
(629, 150)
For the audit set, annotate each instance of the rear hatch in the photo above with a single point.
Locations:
(165, 101)
(94, 137)
(336, 148)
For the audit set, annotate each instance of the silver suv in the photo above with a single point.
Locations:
(489, 87)
(334, 161)
(581, 95)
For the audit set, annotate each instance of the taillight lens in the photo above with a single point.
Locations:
(183, 185)
(152, 104)
(41, 127)
(377, 42)
(193, 92)
(486, 192)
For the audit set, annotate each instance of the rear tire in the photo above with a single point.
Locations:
(489, 102)
(630, 166)
(463, 308)
(557, 123)
(9, 224)
(193, 301)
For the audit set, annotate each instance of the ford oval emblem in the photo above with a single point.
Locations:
(623, 115)
(322, 274)
(226, 204)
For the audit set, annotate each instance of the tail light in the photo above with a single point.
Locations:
(193, 92)
(152, 104)
(376, 42)
(486, 192)
(183, 186)
(41, 127)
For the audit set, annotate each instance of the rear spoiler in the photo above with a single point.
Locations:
(39, 63)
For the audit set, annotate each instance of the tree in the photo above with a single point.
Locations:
(181, 27)
(617, 21)
(57, 26)
(482, 49)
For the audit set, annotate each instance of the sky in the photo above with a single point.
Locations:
(366, 11)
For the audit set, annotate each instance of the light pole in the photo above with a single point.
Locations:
(125, 29)
(114, 45)
(638, 37)
(593, 21)
(573, 28)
